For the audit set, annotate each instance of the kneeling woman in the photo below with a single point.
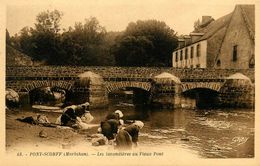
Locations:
(128, 136)
(72, 113)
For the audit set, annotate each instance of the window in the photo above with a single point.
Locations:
(218, 63)
(186, 53)
(234, 53)
(191, 66)
(181, 56)
(198, 66)
(198, 50)
(191, 52)
(252, 62)
(176, 57)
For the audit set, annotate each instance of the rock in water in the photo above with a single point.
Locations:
(43, 134)
(11, 97)
(87, 117)
(42, 119)
(101, 140)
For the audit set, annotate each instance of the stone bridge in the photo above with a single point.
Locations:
(25, 79)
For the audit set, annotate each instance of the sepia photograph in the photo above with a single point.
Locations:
(159, 82)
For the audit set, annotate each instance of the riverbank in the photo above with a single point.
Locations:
(20, 134)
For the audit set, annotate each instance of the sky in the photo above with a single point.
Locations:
(115, 15)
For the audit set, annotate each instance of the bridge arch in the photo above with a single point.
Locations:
(38, 84)
(112, 86)
(215, 86)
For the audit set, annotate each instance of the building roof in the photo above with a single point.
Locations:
(212, 28)
(216, 25)
(248, 12)
(215, 30)
(248, 16)
(17, 58)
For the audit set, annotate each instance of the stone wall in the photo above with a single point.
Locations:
(98, 96)
(237, 93)
(237, 35)
(165, 95)
(90, 87)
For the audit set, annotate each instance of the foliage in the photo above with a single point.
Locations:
(82, 44)
(48, 21)
(145, 43)
(41, 42)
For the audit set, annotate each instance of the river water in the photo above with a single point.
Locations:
(218, 133)
(208, 133)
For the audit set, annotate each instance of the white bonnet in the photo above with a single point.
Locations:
(119, 113)
(139, 123)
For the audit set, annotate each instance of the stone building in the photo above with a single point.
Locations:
(226, 43)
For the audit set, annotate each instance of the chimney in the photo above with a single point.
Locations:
(205, 19)
(195, 36)
(187, 39)
(181, 42)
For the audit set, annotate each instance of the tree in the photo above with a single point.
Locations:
(145, 43)
(82, 45)
(106, 57)
(45, 38)
(133, 51)
(25, 40)
(48, 21)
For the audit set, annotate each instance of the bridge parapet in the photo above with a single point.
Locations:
(123, 72)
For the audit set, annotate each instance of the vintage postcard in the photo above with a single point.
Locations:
(161, 82)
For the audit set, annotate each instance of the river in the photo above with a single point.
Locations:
(218, 133)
